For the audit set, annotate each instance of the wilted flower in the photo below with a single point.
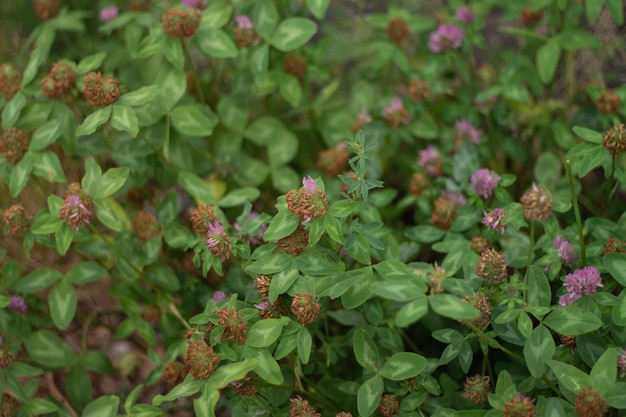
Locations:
(6, 358)
(218, 242)
(244, 32)
(484, 182)
(480, 303)
(262, 283)
(395, 114)
(564, 249)
(46, 9)
(465, 131)
(492, 267)
(76, 209)
(109, 13)
(295, 243)
(444, 213)
(17, 220)
(59, 81)
(140, 5)
(537, 203)
(608, 102)
(174, 373)
(333, 161)
(13, 145)
(615, 140)
(198, 4)
(362, 119)
(495, 219)
(614, 245)
(305, 307)
(567, 340)
(437, 275)
(519, 406)
(477, 388)
(235, 327)
(18, 304)
(419, 90)
(201, 217)
(418, 184)
(582, 282)
(294, 64)
(146, 226)
(445, 38)
(201, 359)
(589, 403)
(299, 407)
(180, 23)
(430, 160)
(397, 29)
(479, 244)
(99, 90)
(308, 202)
(531, 17)
(621, 363)
(10, 81)
(243, 389)
(388, 405)
(465, 15)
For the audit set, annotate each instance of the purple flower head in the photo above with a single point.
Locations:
(263, 305)
(215, 234)
(244, 22)
(77, 210)
(564, 249)
(465, 15)
(17, 304)
(484, 182)
(197, 4)
(495, 220)
(445, 38)
(218, 296)
(465, 131)
(395, 113)
(621, 363)
(542, 30)
(583, 281)
(430, 160)
(568, 298)
(310, 186)
(455, 197)
(109, 13)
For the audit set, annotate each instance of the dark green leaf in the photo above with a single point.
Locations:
(548, 56)
(48, 166)
(293, 33)
(570, 376)
(317, 7)
(615, 263)
(588, 135)
(265, 332)
(572, 320)
(216, 15)
(240, 196)
(604, 372)
(215, 43)
(48, 349)
(267, 368)
(64, 237)
(451, 306)
(403, 365)
(230, 372)
(196, 187)
(369, 395)
(62, 302)
(21, 174)
(365, 350)
(90, 63)
(304, 344)
(106, 213)
(124, 119)
(265, 18)
(282, 225)
(163, 276)
(12, 110)
(283, 280)
(615, 397)
(539, 293)
(538, 349)
(188, 387)
(45, 135)
(194, 120)
(38, 280)
(94, 121)
(105, 406)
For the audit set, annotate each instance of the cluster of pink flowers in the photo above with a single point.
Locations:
(484, 182)
(564, 249)
(109, 13)
(465, 131)
(495, 219)
(445, 38)
(621, 363)
(465, 15)
(396, 114)
(583, 281)
(430, 160)
(18, 304)
(218, 296)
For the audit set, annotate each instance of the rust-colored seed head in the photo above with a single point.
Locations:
(614, 245)
(263, 286)
(13, 145)
(479, 244)
(46, 9)
(418, 184)
(295, 243)
(388, 405)
(444, 213)
(10, 406)
(479, 302)
(140, 5)
(397, 29)
(174, 373)
(531, 17)
(294, 64)
(77, 208)
(59, 81)
(181, 23)
(5, 357)
(299, 407)
(99, 90)
(608, 102)
(305, 307)
(419, 90)
(201, 359)
(146, 226)
(235, 327)
(344, 414)
(590, 404)
(17, 220)
(333, 161)
(568, 341)
(537, 203)
(477, 388)
(201, 217)
(10, 81)
(492, 267)
(519, 406)
(615, 140)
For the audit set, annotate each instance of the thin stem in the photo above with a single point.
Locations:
(579, 223)
(196, 76)
(611, 181)
(531, 245)
(177, 314)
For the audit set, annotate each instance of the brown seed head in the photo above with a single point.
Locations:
(608, 102)
(13, 145)
(59, 81)
(263, 286)
(295, 243)
(479, 244)
(201, 217)
(299, 407)
(519, 406)
(444, 213)
(46, 9)
(99, 90)
(537, 203)
(305, 307)
(17, 220)
(331, 162)
(140, 5)
(590, 404)
(295, 64)
(477, 388)
(5, 357)
(418, 184)
(615, 140)
(181, 23)
(492, 267)
(531, 17)
(10, 406)
(235, 327)
(614, 245)
(201, 359)
(146, 226)
(174, 373)
(388, 405)
(77, 208)
(397, 29)
(419, 90)
(10, 81)
(479, 302)
(243, 389)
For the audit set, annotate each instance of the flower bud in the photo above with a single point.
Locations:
(99, 90)
(305, 307)
(13, 145)
(235, 327)
(615, 140)
(201, 359)
(181, 23)
(76, 209)
(46, 9)
(477, 388)
(17, 220)
(294, 64)
(10, 81)
(492, 267)
(397, 30)
(218, 242)
(388, 405)
(146, 226)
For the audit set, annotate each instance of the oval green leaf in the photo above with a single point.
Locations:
(292, 33)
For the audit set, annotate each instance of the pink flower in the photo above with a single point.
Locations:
(583, 281)
(109, 13)
(17, 304)
(465, 131)
(77, 211)
(215, 234)
(218, 296)
(484, 182)
(263, 305)
(310, 186)
(465, 15)
(445, 38)
(430, 160)
(621, 363)
(455, 197)
(564, 249)
(197, 4)
(395, 113)
(244, 22)
(495, 220)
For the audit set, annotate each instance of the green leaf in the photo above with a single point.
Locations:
(604, 372)
(172, 84)
(290, 89)
(317, 7)
(124, 119)
(196, 187)
(570, 376)
(397, 291)
(138, 97)
(424, 233)
(548, 56)
(186, 388)
(215, 43)
(173, 52)
(304, 345)
(342, 208)
(64, 237)
(334, 229)
(365, 350)
(45, 135)
(47, 166)
(393, 270)
(21, 174)
(259, 61)
(85, 272)
(163, 276)
(94, 121)
(615, 397)
(105, 406)
(538, 349)
(225, 374)
(38, 406)
(204, 406)
(615, 263)
(572, 320)
(265, 332)
(233, 114)
(265, 18)
(369, 395)
(264, 130)
(106, 213)
(90, 63)
(62, 302)
(283, 224)
(92, 178)
(216, 15)
(48, 349)
(588, 135)
(112, 181)
(292, 33)
(619, 312)
(38, 280)
(573, 39)
(593, 159)
(194, 120)
(240, 197)
(412, 311)
(267, 368)
(12, 110)
(403, 365)
(539, 292)
(283, 280)
(97, 361)
(44, 224)
(616, 7)
(283, 148)
(451, 306)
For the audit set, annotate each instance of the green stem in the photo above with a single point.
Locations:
(579, 223)
(611, 181)
(531, 245)
(196, 76)
(177, 314)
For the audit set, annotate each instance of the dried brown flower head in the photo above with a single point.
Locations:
(201, 359)
(146, 226)
(242, 388)
(615, 140)
(397, 29)
(492, 267)
(294, 64)
(5, 357)
(479, 244)
(10, 406)
(46, 9)
(77, 208)
(10, 81)
(419, 184)
(13, 145)
(180, 23)
(299, 407)
(388, 405)
(59, 81)
(531, 17)
(444, 213)
(519, 406)
(477, 388)
(174, 373)
(140, 5)
(263, 286)
(608, 102)
(480, 303)
(305, 307)
(17, 220)
(201, 217)
(614, 245)
(295, 243)
(590, 404)
(537, 203)
(331, 162)
(235, 327)
(419, 90)
(99, 90)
